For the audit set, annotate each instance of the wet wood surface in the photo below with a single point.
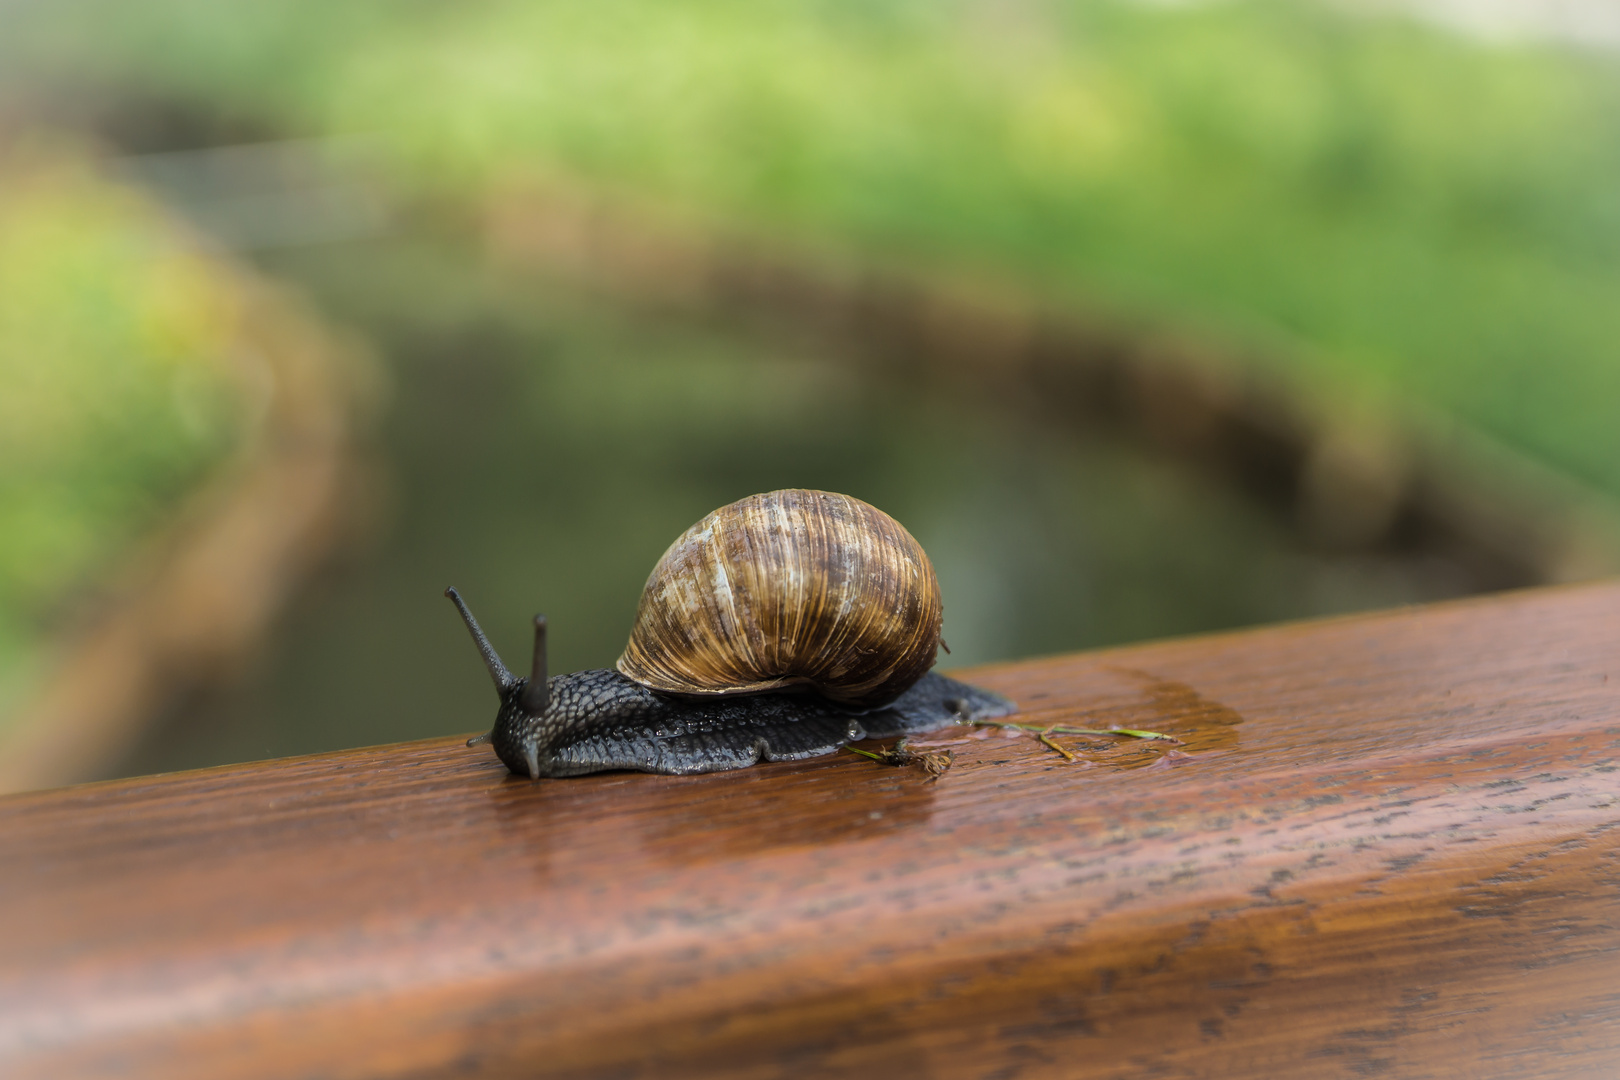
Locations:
(1389, 846)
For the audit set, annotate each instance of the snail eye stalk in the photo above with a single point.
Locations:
(537, 691)
(497, 670)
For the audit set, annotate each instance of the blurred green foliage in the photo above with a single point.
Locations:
(1360, 195)
(117, 383)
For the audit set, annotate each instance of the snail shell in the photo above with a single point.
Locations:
(789, 587)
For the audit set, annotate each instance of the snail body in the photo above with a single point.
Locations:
(777, 628)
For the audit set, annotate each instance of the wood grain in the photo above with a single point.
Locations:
(1390, 847)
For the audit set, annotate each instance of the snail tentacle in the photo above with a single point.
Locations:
(537, 691)
(492, 660)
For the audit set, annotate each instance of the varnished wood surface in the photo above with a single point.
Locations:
(1390, 848)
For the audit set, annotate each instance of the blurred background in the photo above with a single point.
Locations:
(1145, 317)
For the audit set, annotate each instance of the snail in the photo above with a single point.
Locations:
(779, 627)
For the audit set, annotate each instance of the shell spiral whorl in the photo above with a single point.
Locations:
(789, 587)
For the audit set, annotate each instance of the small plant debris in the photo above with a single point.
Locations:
(1045, 737)
(1058, 729)
(1044, 734)
(936, 762)
(933, 762)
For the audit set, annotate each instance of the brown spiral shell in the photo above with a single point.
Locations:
(789, 587)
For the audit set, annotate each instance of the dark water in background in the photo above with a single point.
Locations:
(544, 449)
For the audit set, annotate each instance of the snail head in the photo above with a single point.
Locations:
(520, 698)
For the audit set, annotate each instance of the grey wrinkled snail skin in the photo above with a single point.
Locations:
(777, 628)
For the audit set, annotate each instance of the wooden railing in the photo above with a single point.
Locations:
(1389, 846)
